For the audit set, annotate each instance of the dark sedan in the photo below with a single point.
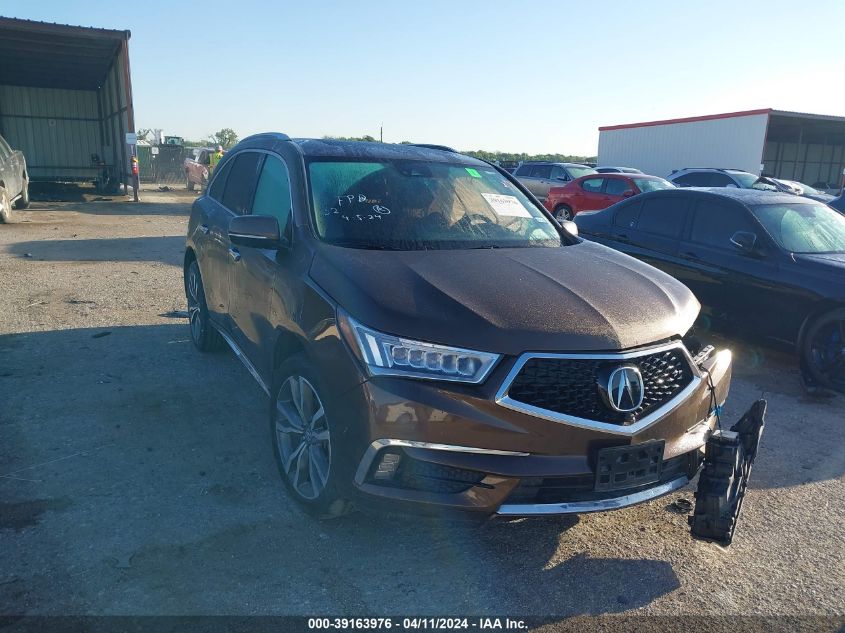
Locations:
(770, 263)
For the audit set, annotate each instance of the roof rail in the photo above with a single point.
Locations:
(442, 148)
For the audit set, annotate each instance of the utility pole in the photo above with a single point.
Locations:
(381, 133)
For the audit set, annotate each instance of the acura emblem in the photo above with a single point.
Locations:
(623, 389)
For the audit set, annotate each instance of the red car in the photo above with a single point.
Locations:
(599, 191)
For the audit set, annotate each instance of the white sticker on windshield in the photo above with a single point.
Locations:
(506, 205)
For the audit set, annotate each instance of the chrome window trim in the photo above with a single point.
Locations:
(504, 400)
(582, 507)
(375, 447)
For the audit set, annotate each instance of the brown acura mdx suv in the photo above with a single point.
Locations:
(430, 339)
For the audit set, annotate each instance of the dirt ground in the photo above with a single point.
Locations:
(137, 476)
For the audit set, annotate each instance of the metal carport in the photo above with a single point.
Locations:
(66, 97)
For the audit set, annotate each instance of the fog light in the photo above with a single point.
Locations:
(387, 466)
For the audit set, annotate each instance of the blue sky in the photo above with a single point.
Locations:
(514, 76)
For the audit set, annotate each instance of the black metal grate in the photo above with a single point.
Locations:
(570, 385)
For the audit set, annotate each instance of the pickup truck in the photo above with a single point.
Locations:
(198, 167)
(14, 181)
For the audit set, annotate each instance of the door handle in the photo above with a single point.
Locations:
(204, 229)
(235, 254)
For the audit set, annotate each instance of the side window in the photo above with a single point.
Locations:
(626, 216)
(272, 196)
(592, 185)
(559, 173)
(204, 160)
(523, 170)
(241, 182)
(694, 179)
(541, 171)
(663, 216)
(721, 180)
(215, 191)
(714, 223)
(616, 186)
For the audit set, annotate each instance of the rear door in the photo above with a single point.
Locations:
(252, 276)
(241, 173)
(725, 279)
(655, 234)
(589, 195)
(539, 180)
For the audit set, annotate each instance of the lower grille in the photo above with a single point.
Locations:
(569, 386)
(582, 487)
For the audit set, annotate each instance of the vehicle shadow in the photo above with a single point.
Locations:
(167, 249)
(162, 457)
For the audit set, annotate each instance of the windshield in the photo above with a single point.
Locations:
(418, 205)
(576, 171)
(652, 184)
(803, 228)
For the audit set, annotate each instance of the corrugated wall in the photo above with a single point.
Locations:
(58, 130)
(735, 142)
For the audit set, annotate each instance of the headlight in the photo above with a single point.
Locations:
(388, 355)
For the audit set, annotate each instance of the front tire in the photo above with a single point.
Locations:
(563, 213)
(203, 334)
(823, 350)
(5, 206)
(304, 439)
(23, 201)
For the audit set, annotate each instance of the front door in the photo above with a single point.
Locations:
(729, 281)
(253, 275)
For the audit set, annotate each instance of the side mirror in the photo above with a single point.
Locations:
(255, 231)
(570, 227)
(627, 193)
(744, 241)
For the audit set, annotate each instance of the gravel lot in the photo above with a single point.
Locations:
(137, 477)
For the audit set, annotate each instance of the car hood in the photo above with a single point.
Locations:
(583, 297)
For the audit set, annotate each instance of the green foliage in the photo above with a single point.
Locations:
(143, 134)
(225, 137)
(367, 138)
(513, 157)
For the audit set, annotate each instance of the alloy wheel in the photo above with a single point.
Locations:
(827, 352)
(194, 305)
(302, 435)
(563, 214)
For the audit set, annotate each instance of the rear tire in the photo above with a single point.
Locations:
(562, 213)
(205, 337)
(5, 206)
(23, 201)
(305, 438)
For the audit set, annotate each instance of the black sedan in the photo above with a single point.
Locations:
(769, 263)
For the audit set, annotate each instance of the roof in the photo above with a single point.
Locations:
(745, 196)
(727, 115)
(369, 149)
(48, 55)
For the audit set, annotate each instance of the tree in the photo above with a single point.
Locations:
(225, 137)
(367, 138)
(143, 134)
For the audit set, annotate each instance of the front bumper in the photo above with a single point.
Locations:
(431, 447)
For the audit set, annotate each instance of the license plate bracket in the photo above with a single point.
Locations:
(621, 467)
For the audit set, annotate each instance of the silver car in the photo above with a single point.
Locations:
(14, 183)
(539, 177)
